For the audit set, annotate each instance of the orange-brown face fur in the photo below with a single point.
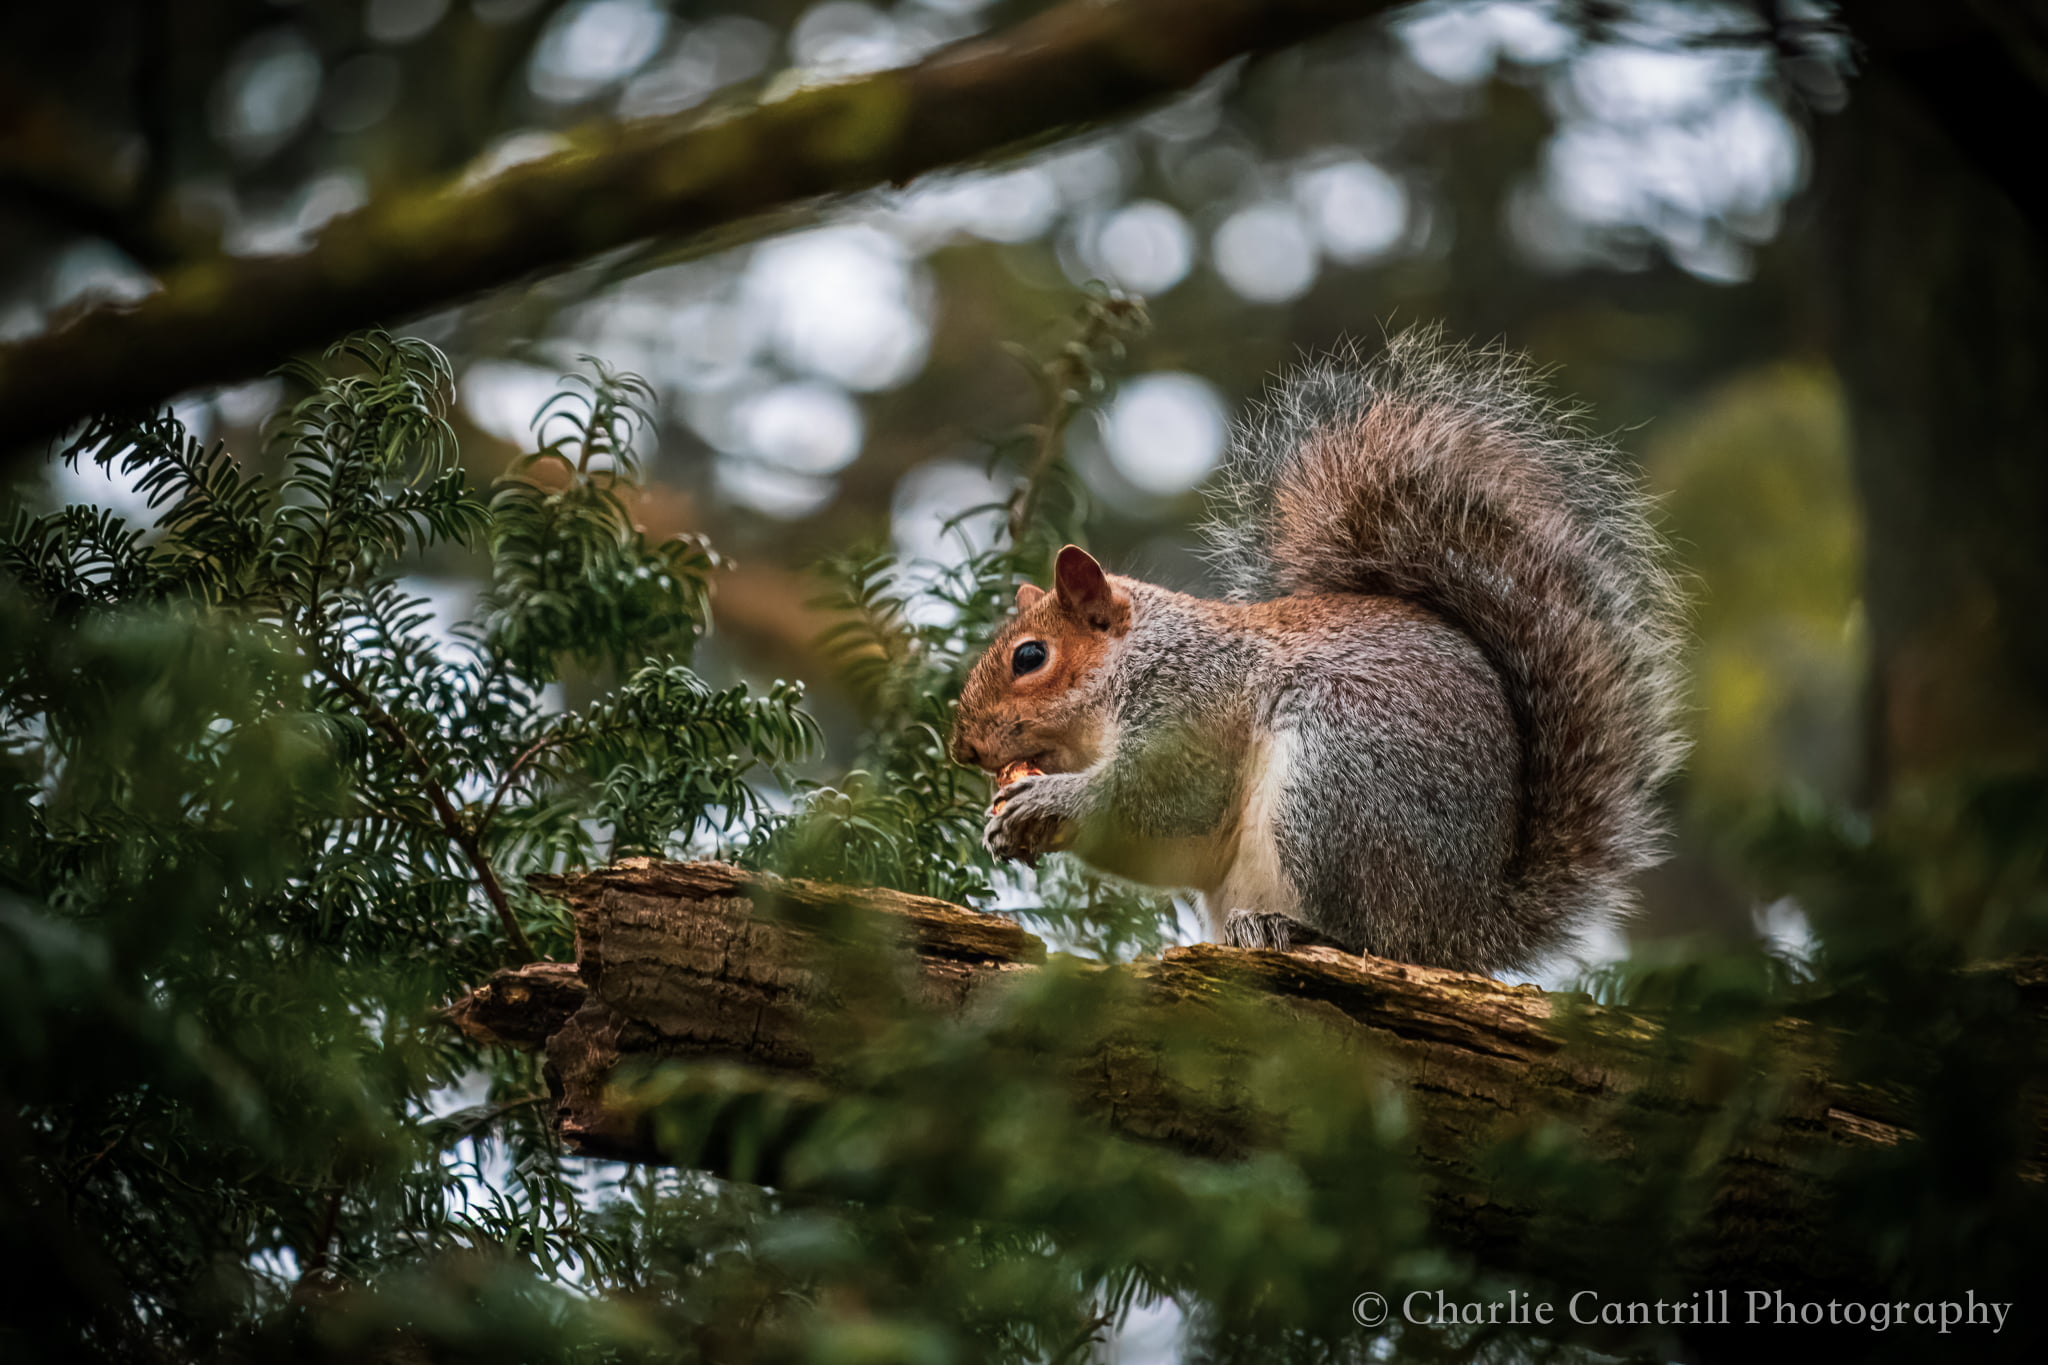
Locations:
(1050, 716)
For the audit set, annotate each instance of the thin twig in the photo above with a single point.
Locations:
(459, 833)
(1025, 505)
(92, 1162)
(532, 751)
(493, 1114)
(323, 1249)
(1089, 1335)
(1069, 377)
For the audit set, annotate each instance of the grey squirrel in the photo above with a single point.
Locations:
(1431, 719)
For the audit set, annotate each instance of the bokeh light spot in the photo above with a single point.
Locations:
(1264, 252)
(502, 396)
(843, 304)
(267, 91)
(846, 38)
(806, 427)
(1359, 212)
(1146, 246)
(1165, 432)
(593, 45)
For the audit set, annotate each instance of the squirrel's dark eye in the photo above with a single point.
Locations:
(1026, 657)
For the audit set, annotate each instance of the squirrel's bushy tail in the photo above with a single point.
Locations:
(1448, 476)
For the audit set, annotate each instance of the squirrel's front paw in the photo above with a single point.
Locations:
(1037, 815)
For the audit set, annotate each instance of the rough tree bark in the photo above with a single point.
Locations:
(1073, 65)
(704, 961)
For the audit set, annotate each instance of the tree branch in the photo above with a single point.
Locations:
(1079, 63)
(707, 962)
(1065, 378)
(72, 204)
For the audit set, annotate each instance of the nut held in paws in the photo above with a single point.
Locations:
(1012, 772)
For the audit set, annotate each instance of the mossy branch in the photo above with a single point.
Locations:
(617, 183)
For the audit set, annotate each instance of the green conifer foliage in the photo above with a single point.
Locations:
(261, 819)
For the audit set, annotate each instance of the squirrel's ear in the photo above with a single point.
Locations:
(1028, 594)
(1084, 589)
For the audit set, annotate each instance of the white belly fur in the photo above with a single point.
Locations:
(1251, 878)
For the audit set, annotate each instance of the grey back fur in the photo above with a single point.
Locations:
(1448, 476)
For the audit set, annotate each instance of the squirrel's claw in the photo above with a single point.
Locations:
(1034, 815)
(1271, 929)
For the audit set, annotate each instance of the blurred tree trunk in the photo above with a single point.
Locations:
(1933, 220)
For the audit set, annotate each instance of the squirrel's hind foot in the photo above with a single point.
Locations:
(1273, 930)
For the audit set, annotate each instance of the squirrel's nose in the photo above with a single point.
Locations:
(965, 753)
